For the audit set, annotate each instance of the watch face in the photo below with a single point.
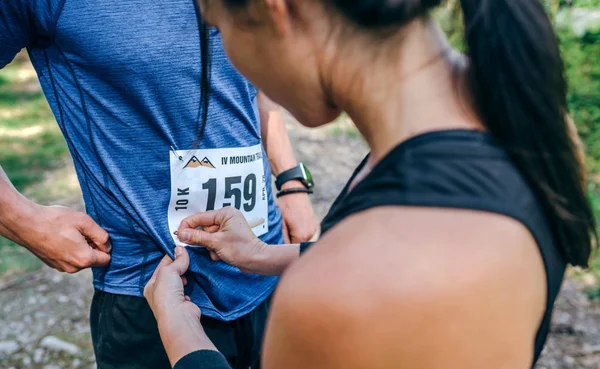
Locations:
(307, 176)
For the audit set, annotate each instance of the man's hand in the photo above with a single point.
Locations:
(299, 223)
(62, 238)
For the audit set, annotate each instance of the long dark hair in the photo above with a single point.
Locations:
(516, 75)
(517, 82)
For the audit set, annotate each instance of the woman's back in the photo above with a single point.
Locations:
(447, 261)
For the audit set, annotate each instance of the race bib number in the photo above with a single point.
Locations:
(210, 179)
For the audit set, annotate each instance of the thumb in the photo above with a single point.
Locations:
(182, 261)
(197, 237)
(100, 258)
(94, 233)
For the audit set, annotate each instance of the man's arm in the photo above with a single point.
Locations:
(299, 223)
(7, 200)
(62, 238)
(275, 137)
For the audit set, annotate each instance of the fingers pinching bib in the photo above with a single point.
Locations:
(209, 179)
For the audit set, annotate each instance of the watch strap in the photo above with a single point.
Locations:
(290, 191)
(295, 173)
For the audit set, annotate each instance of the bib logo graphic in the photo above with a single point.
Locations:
(195, 163)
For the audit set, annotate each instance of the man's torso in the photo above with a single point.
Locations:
(123, 79)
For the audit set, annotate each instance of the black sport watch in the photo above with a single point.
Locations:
(299, 173)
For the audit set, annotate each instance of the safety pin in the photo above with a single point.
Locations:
(175, 152)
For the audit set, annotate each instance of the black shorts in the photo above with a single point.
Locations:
(125, 334)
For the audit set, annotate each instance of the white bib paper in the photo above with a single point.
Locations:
(210, 179)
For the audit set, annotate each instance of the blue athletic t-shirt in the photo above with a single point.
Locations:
(123, 80)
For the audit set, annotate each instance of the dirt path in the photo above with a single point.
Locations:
(44, 314)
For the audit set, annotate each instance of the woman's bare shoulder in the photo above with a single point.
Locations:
(395, 284)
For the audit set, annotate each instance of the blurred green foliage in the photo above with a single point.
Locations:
(581, 3)
(582, 67)
(30, 141)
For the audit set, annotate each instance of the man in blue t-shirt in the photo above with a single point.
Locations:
(123, 80)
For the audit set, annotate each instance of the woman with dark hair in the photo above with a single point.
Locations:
(448, 246)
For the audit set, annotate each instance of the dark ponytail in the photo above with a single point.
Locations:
(519, 90)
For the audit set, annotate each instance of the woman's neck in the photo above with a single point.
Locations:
(404, 91)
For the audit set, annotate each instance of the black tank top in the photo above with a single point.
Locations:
(463, 170)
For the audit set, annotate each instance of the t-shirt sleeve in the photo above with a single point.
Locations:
(17, 28)
(203, 359)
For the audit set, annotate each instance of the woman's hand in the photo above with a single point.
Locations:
(227, 236)
(178, 318)
(164, 291)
